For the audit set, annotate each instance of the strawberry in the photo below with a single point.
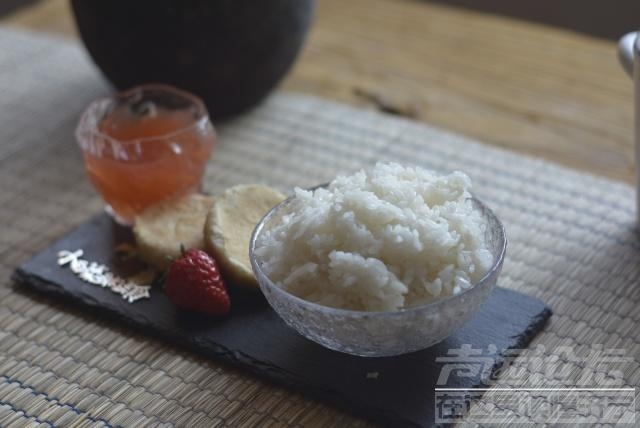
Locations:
(193, 282)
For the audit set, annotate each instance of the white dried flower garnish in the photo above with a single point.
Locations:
(98, 274)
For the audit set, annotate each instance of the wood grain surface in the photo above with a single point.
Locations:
(522, 86)
(527, 87)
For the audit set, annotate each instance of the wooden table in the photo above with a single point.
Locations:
(527, 87)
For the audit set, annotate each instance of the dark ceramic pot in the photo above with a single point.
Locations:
(229, 52)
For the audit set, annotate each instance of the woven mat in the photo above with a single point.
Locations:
(572, 243)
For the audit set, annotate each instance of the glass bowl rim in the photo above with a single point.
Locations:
(495, 267)
(87, 128)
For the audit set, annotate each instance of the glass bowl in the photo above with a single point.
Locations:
(383, 333)
(145, 145)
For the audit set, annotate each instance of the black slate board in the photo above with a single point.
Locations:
(256, 339)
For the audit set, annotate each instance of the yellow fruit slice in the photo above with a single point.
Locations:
(162, 229)
(230, 222)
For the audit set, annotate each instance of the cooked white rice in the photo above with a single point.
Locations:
(384, 239)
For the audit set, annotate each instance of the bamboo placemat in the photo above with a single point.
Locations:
(572, 239)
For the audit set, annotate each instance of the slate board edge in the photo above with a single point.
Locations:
(238, 359)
